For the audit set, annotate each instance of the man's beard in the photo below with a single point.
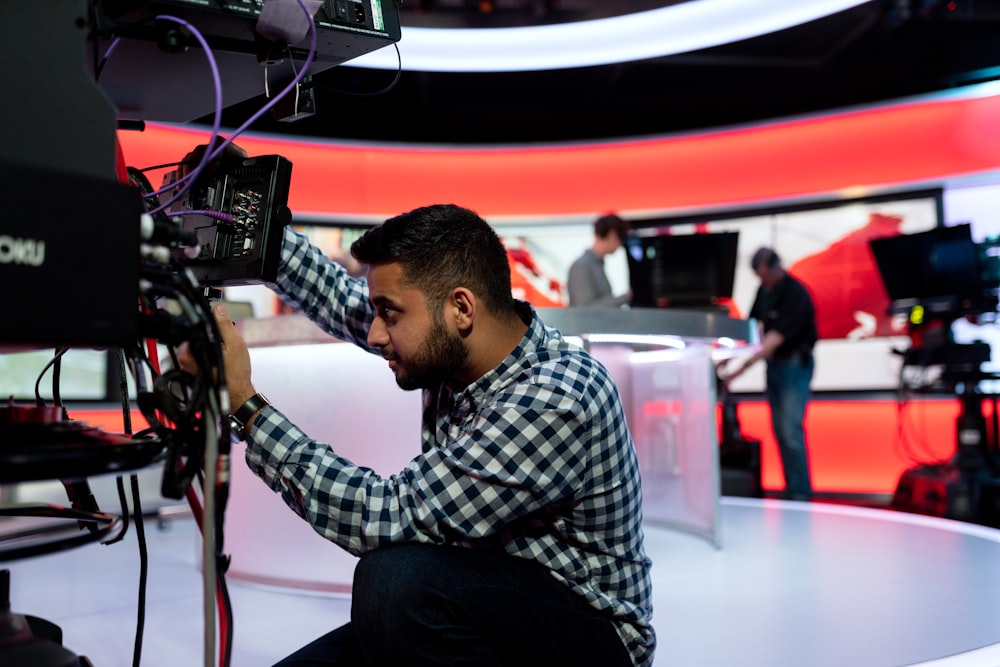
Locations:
(437, 361)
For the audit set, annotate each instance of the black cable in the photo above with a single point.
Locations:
(56, 375)
(140, 533)
(123, 503)
(127, 419)
(165, 165)
(382, 91)
(140, 622)
(39, 401)
(995, 422)
(109, 523)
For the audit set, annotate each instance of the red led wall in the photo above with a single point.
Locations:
(858, 446)
(846, 153)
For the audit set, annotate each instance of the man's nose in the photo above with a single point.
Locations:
(377, 336)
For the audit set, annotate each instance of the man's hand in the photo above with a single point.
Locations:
(235, 358)
(727, 374)
(727, 378)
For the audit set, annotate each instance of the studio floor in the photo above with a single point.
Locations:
(791, 584)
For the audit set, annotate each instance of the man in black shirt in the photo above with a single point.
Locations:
(785, 311)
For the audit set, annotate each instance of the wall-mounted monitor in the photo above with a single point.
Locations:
(682, 270)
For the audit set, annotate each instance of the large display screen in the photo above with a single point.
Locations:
(826, 246)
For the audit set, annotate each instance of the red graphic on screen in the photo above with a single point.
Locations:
(847, 288)
(529, 282)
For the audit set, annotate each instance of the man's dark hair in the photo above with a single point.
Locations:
(608, 223)
(439, 248)
(765, 257)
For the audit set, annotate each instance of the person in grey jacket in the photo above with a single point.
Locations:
(588, 283)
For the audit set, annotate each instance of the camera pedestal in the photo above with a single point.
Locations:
(966, 488)
(29, 641)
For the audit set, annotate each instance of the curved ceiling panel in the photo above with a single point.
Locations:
(680, 28)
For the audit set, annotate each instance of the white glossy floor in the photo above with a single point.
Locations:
(793, 584)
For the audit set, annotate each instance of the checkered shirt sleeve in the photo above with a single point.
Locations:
(311, 283)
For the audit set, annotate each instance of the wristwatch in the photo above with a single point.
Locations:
(240, 420)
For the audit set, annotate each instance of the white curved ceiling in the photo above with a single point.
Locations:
(679, 28)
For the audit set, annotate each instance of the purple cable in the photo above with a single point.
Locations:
(192, 176)
(218, 215)
(216, 121)
(277, 98)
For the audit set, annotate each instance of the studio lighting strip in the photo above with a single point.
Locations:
(680, 28)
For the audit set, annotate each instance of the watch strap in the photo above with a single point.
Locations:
(240, 419)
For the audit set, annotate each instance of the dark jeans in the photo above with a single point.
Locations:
(788, 392)
(419, 604)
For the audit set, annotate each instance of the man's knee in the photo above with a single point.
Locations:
(389, 580)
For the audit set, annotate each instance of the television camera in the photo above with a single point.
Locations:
(93, 256)
(934, 278)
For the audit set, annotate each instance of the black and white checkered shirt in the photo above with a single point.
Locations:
(534, 457)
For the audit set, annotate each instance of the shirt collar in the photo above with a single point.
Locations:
(534, 339)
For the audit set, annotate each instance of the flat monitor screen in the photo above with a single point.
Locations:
(941, 262)
(682, 270)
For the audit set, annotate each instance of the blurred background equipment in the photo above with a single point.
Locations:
(935, 278)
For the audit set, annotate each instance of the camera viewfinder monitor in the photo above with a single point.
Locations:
(682, 270)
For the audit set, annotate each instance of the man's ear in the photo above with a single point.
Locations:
(462, 305)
